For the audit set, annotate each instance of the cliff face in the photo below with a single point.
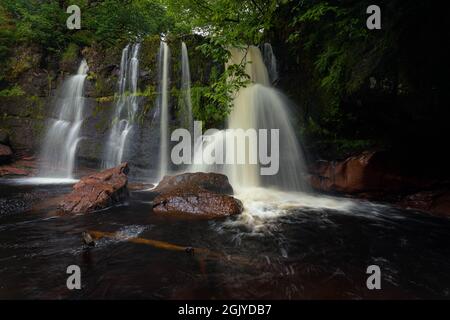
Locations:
(27, 99)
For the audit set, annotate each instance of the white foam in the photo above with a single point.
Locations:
(263, 206)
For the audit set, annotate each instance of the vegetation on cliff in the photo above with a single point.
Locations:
(355, 88)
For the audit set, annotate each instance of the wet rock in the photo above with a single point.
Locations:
(98, 191)
(434, 201)
(367, 172)
(6, 154)
(12, 171)
(87, 239)
(214, 182)
(195, 201)
(137, 186)
(22, 166)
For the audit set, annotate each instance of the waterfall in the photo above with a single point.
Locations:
(163, 105)
(257, 106)
(186, 103)
(125, 107)
(271, 62)
(63, 135)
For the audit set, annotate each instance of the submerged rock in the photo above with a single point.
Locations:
(98, 191)
(433, 201)
(87, 239)
(6, 154)
(202, 195)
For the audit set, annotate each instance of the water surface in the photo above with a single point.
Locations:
(285, 246)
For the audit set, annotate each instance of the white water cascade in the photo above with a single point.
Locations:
(125, 108)
(163, 105)
(186, 103)
(271, 62)
(63, 135)
(257, 106)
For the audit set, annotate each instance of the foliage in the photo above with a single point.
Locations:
(15, 91)
(224, 24)
(108, 21)
(336, 34)
(218, 102)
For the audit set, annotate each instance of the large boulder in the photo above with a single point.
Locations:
(196, 202)
(98, 191)
(201, 195)
(210, 181)
(6, 154)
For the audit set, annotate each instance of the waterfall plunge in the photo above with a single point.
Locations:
(270, 61)
(163, 105)
(258, 106)
(125, 108)
(62, 137)
(186, 103)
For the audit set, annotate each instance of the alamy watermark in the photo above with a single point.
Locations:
(374, 20)
(374, 280)
(74, 280)
(231, 146)
(74, 20)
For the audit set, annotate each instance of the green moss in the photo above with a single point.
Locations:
(36, 107)
(101, 110)
(19, 66)
(70, 55)
(15, 91)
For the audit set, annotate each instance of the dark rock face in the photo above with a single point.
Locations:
(201, 195)
(213, 182)
(6, 154)
(382, 176)
(97, 191)
(4, 137)
(366, 172)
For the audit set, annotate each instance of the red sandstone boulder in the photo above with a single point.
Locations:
(201, 195)
(196, 202)
(97, 191)
(8, 170)
(367, 172)
(6, 154)
(21, 166)
(213, 182)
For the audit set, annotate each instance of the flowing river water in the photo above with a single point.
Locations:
(284, 246)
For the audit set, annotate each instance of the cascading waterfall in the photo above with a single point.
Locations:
(125, 108)
(163, 105)
(257, 106)
(186, 103)
(271, 62)
(63, 135)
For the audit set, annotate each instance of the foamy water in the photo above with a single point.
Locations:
(263, 206)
